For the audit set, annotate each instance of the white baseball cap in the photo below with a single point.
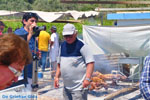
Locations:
(68, 29)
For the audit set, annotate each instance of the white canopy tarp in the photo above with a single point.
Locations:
(5, 12)
(134, 40)
(47, 16)
(51, 16)
(80, 14)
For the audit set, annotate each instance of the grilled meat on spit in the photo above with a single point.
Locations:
(98, 83)
(99, 80)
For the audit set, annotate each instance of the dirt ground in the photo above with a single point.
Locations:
(46, 91)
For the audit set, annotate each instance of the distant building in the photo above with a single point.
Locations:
(130, 19)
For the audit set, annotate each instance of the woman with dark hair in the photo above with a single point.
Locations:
(14, 55)
(9, 30)
(2, 26)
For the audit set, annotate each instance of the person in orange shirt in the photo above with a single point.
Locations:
(14, 55)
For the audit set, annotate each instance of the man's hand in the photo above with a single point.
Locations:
(89, 71)
(31, 28)
(39, 54)
(56, 83)
(30, 31)
(85, 83)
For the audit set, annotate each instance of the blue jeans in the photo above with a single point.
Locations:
(43, 59)
(28, 70)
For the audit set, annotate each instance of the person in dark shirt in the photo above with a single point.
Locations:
(2, 26)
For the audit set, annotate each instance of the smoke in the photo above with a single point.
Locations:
(103, 64)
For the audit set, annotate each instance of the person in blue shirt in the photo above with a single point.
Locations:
(29, 21)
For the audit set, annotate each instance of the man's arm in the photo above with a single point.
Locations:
(37, 39)
(29, 37)
(89, 71)
(51, 44)
(58, 74)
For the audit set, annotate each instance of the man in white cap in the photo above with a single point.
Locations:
(75, 65)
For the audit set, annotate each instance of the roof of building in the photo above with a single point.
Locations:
(124, 16)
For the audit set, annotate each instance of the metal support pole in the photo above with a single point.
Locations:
(101, 18)
(35, 70)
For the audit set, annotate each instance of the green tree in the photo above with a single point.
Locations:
(29, 1)
(14, 5)
(48, 5)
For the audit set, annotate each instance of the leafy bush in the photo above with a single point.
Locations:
(17, 24)
(13, 24)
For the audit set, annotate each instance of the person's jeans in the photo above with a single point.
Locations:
(43, 59)
(75, 95)
(53, 66)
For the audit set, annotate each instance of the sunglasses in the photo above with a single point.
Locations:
(16, 72)
(33, 21)
(68, 36)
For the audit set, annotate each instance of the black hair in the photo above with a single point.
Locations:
(2, 24)
(29, 15)
(44, 27)
(54, 28)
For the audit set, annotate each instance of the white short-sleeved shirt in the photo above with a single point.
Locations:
(55, 47)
